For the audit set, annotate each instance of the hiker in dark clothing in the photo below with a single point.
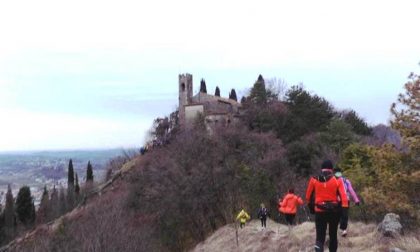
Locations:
(327, 207)
(262, 214)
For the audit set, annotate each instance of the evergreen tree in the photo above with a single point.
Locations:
(77, 187)
(62, 202)
(217, 92)
(33, 213)
(203, 87)
(70, 179)
(358, 125)
(406, 115)
(232, 95)
(54, 203)
(70, 186)
(24, 206)
(258, 93)
(9, 214)
(89, 173)
(306, 114)
(44, 211)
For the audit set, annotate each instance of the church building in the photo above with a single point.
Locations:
(215, 109)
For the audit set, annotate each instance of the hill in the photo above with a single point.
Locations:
(278, 237)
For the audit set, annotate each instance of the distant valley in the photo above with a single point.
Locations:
(39, 168)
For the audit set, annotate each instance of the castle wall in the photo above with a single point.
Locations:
(191, 112)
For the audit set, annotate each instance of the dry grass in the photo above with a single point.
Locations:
(278, 237)
(408, 244)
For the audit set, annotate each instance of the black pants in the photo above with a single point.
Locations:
(242, 225)
(344, 220)
(322, 220)
(290, 218)
(263, 221)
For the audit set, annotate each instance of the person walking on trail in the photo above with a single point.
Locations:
(262, 215)
(243, 217)
(289, 206)
(350, 194)
(327, 206)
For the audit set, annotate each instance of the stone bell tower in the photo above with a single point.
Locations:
(185, 83)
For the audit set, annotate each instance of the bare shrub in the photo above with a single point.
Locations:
(103, 226)
(198, 182)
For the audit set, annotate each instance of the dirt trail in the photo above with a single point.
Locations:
(278, 237)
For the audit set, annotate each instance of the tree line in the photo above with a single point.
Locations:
(20, 214)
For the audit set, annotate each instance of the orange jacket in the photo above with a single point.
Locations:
(290, 203)
(326, 191)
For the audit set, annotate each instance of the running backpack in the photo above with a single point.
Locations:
(326, 206)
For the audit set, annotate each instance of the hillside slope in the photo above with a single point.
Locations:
(278, 237)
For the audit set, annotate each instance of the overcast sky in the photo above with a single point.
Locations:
(94, 74)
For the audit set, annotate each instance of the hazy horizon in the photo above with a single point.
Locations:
(93, 74)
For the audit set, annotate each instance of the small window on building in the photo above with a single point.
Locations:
(228, 120)
(183, 87)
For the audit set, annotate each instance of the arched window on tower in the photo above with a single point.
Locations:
(183, 87)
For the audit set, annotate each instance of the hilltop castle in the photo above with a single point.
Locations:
(215, 109)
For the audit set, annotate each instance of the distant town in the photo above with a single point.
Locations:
(49, 168)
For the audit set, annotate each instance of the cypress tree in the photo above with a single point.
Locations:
(44, 208)
(70, 186)
(70, 179)
(217, 92)
(232, 95)
(77, 187)
(62, 202)
(33, 213)
(54, 203)
(9, 214)
(89, 173)
(258, 93)
(203, 87)
(24, 206)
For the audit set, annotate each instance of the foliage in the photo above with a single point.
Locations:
(302, 154)
(77, 186)
(307, 114)
(406, 114)
(54, 203)
(387, 177)
(44, 211)
(232, 95)
(338, 135)
(9, 214)
(62, 201)
(217, 92)
(202, 180)
(70, 186)
(357, 124)
(203, 87)
(70, 178)
(384, 181)
(89, 172)
(24, 206)
(259, 94)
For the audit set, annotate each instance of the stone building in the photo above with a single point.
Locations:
(216, 110)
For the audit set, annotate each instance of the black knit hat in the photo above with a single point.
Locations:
(327, 164)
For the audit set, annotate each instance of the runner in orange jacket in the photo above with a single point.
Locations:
(289, 206)
(328, 208)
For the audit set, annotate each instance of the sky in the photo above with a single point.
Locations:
(94, 74)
